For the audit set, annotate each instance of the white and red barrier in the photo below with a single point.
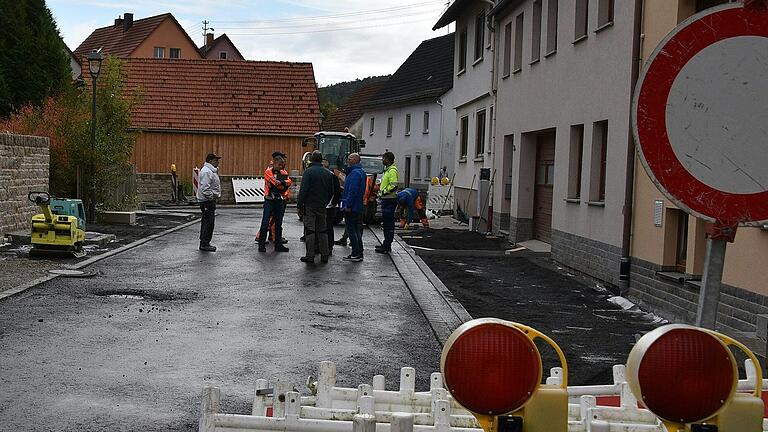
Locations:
(371, 408)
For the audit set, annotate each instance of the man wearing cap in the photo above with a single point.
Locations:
(208, 191)
(277, 186)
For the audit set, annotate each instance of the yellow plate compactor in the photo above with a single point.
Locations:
(60, 228)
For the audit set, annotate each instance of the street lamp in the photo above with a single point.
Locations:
(94, 65)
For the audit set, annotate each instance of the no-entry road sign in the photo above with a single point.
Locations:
(700, 115)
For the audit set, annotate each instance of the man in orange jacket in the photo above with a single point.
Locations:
(277, 186)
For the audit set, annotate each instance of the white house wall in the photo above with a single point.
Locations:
(581, 83)
(434, 147)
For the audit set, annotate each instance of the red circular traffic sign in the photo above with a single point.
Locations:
(700, 115)
(490, 367)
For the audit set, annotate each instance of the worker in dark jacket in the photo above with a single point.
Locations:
(332, 208)
(315, 192)
(352, 205)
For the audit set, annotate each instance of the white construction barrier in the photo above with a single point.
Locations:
(371, 408)
(440, 198)
(248, 190)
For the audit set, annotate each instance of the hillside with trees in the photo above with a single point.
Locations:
(333, 96)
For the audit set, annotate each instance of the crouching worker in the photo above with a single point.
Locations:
(410, 199)
(277, 186)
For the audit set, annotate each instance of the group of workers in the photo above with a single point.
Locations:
(320, 198)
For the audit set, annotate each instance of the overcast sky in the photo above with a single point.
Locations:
(344, 39)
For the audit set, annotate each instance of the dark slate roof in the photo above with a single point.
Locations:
(221, 39)
(353, 108)
(114, 41)
(425, 75)
(452, 13)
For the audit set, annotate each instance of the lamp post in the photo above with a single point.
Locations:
(94, 65)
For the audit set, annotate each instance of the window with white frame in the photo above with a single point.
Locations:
(428, 167)
(426, 123)
(479, 36)
(480, 137)
(604, 13)
(551, 26)
(370, 132)
(407, 124)
(463, 50)
(507, 62)
(223, 55)
(536, 32)
(518, 43)
(159, 52)
(175, 53)
(463, 137)
(417, 168)
(575, 156)
(389, 126)
(582, 20)
(599, 161)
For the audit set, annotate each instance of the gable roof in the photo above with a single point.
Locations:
(204, 50)
(423, 77)
(229, 96)
(114, 41)
(353, 108)
(452, 13)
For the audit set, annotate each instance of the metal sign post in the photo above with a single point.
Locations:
(698, 117)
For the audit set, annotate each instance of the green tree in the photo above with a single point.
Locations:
(328, 108)
(33, 61)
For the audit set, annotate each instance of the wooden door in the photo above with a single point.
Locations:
(545, 176)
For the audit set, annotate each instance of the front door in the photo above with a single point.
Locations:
(545, 176)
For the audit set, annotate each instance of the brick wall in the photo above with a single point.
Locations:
(157, 188)
(678, 301)
(24, 168)
(595, 259)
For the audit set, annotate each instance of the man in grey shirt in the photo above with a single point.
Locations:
(208, 191)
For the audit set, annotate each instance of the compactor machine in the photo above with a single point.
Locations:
(60, 228)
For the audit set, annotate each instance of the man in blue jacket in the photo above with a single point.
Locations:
(352, 206)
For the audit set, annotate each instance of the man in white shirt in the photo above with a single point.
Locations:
(208, 191)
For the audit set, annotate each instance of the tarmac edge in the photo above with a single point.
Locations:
(23, 287)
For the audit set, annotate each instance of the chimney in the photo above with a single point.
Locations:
(127, 21)
(208, 40)
(118, 22)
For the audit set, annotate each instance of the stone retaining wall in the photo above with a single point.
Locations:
(24, 168)
(593, 258)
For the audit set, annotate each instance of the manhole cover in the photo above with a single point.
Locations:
(72, 273)
(126, 296)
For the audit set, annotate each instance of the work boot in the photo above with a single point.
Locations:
(262, 247)
(341, 242)
(308, 260)
(281, 248)
(382, 249)
(207, 248)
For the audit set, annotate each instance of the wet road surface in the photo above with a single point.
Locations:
(132, 348)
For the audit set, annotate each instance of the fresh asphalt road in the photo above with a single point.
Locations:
(75, 355)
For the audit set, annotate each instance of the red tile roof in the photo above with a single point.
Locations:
(224, 96)
(349, 112)
(114, 41)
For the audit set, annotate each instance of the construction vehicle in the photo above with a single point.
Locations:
(60, 228)
(336, 148)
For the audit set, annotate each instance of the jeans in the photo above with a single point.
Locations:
(274, 209)
(388, 214)
(315, 228)
(354, 224)
(208, 208)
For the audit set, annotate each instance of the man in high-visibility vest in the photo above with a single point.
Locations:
(388, 196)
(410, 203)
(277, 187)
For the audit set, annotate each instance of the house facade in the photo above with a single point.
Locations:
(412, 114)
(240, 110)
(220, 48)
(349, 116)
(159, 36)
(472, 105)
(669, 246)
(564, 149)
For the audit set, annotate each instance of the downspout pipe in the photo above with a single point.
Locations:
(626, 243)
